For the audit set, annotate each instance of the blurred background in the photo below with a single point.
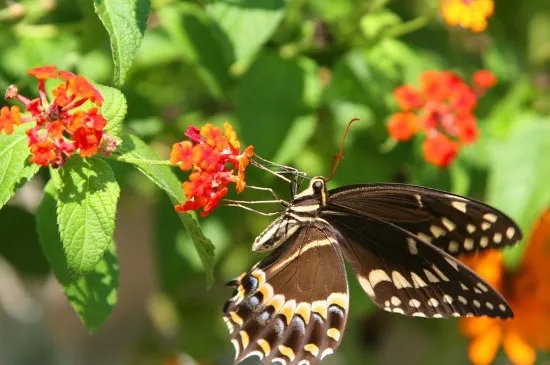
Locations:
(288, 75)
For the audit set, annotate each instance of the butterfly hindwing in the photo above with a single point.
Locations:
(291, 307)
(450, 222)
(404, 274)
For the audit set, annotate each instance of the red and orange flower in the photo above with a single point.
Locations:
(215, 159)
(59, 129)
(442, 110)
(470, 14)
(528, 292)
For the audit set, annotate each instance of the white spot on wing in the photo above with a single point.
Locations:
(399, 280)
(415, 303)
(440, 273)
(497, 237)
(365, 284)
(470, 228)
(376, 276)
(484, 241)
(452, 262)
(413, 250)
(485, 226)
(490, 217)
(462, 300)
(448, 299)
(433, 302)
(469, 244)
(510, 232)
(459, 205)
(395, 301)
(448, 224)
(417, 281)
(453, 247)
(437, 231)
(424, 237)
(431, 277)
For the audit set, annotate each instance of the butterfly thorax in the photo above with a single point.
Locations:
(304, 209)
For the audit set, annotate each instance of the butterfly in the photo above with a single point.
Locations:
(402, 243)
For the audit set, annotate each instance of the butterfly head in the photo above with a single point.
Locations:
(314, 194)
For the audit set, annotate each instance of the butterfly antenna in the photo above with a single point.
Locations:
(336, 158)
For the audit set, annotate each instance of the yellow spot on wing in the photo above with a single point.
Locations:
(265, 346)
(304, 310)
(287, 351)
(244, 339)
(334, 334)
(236, 318)
(312, 349)
(288, 310)
(320, 306)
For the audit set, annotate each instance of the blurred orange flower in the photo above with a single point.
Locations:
(59, 130)
(441, 108)
(216, 161)
(528, 292)
(470, 14)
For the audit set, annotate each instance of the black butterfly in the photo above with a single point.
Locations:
(401, 241)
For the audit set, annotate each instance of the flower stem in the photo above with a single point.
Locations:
(138, 160)
(411, 25)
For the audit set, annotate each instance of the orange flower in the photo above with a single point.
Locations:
(484, 79)
(528, 292)
(439, 149)
(215, 160)
(402, 126)
(442, 109)
(59, 131)
(9, 117)
(471, 14)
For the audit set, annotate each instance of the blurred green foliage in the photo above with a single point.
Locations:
(289, 75)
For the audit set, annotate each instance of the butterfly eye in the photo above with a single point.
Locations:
(317, 187)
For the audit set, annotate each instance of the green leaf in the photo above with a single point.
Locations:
(114, 108)
(16, 169)
(201, 43)
(163, 176)
(248, 23)
(86, 212)
(125, 21)
(518, 180)
(268, 99)
(92, 296)
(48, 233)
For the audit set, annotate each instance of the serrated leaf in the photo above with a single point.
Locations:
(114, 108)
(14, 159)
(134, 148)
(48, 233)
(518, 177)
(92, 296)
(248, 24)
(125, 21)
(86, 210)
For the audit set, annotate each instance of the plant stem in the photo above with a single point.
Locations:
(139, 160)
(411, 25)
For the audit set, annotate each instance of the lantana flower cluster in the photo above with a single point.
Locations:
(58, 130)
(528, 292)
(214, 158)
(470, 14)
(441, 109)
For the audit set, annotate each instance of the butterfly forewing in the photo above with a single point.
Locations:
(404, 274)
(291, 308)
(451, 222)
